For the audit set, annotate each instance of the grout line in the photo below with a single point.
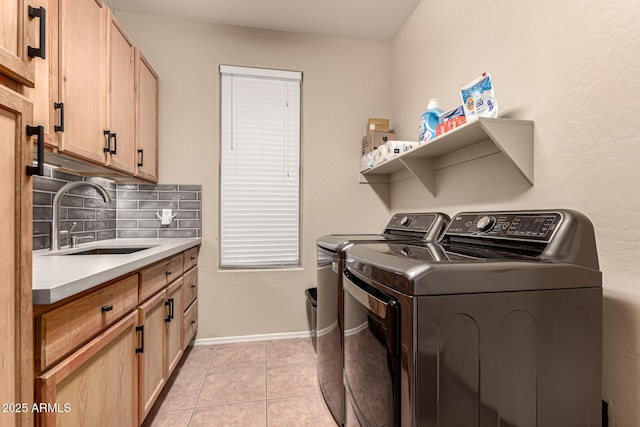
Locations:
(195, 405)
(266, 387)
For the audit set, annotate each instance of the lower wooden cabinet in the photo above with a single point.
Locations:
(152, 372)
(56, 336)
(103, 357)
(173, 325)
(161, 320)
(190, 323)
(95, 386)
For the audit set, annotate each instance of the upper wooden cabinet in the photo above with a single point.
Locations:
(46, 89)
(87, 97)
(120, 98)
(81, 78)
(146, 119)
(16, 38)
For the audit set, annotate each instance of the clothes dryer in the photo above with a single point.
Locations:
(402, 227)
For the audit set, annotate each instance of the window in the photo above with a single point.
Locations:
(260, 168)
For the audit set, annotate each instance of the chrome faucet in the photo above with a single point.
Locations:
(57, 201)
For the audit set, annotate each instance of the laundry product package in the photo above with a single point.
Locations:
(479, 98)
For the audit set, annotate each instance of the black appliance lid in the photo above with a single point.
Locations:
(402, 226)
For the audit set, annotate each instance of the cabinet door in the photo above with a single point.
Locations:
(81, 78)
(120, 98)
(16, 330)
(152, 372)
(190, 287)
(45, 92)
(174, 325)
(97, 385)
(190, 325)
(146, 119)
(14, 61)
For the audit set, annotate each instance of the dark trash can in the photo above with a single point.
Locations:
(312, 313)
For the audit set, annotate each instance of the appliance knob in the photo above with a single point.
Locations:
(486, 223)
(405, 221)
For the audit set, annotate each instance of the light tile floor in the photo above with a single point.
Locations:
(258, 384)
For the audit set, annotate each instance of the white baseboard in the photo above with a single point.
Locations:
(251, 338)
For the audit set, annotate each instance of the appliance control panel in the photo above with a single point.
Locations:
(520, 226)
(411, 221)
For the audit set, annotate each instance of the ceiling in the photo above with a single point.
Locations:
(362, 19)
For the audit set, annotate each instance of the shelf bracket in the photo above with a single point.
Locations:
(515, 141)
(424, 170)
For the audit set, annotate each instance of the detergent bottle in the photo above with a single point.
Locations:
(429, 121)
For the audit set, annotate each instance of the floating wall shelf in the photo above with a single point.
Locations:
(513, 138)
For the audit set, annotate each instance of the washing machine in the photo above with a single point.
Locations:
(402, 227)
(498, 324)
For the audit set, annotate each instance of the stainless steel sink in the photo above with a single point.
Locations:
(115, 250)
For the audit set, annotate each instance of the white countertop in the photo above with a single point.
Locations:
(56, 277)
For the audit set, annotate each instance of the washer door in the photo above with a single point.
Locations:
(371, 355)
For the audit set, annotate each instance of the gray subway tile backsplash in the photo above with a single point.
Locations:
(131, 214)
(137, 234)
(178, 233)
(187, 205)
(159, 187)
(155, 205)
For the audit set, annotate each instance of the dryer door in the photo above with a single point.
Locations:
(371, 355)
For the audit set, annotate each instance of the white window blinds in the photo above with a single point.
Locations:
(260, 168)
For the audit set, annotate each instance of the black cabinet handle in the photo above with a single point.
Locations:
(39, 131)
(107, 133)
(115, 143)
(168, 273)
(193, 258)
(168, 304)
(193, 285)
(59, 106)
(193, 322)
(140, 157)
(106, 308)
(141, 330)
(41, 14)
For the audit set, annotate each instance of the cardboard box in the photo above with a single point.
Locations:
(373, 140)
(378, 125)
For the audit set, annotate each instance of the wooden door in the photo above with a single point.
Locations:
(174, 325)
(15, 37)
(45, 92)
(97, 385)
(16, 188)
(121, 98)
(146, 119)
(81, 78)
(151, 362)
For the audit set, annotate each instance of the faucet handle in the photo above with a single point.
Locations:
(74, 240)
(69, 230)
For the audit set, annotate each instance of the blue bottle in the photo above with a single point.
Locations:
(429, 121)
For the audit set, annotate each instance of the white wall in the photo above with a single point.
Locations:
(343, 84)
(572, 67)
